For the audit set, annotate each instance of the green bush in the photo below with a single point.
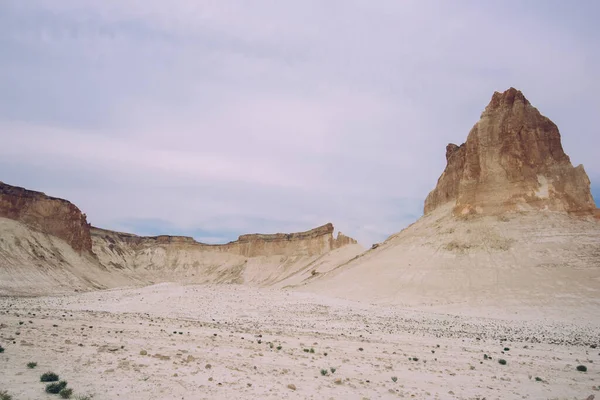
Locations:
(49, 377)
(4, 395)
(31, 365)
(333, 369)
(66, 393)
(394, 379)
(581, 368)
(56, 387)
(501, 361)
(1, 349)
(323, 372)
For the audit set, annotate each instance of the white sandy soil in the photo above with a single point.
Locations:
(221, 342)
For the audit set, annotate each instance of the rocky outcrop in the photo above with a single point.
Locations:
(512, 160)
(46, 214)
(316, 241)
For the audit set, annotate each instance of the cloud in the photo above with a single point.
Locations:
(228, 117)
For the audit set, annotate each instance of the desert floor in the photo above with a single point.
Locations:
(233, 342)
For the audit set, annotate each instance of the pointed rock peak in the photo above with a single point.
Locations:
(512, 160)
(507, 99)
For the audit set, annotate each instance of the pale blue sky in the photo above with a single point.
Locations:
(216, 118)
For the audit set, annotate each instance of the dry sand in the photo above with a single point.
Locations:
(214, 342)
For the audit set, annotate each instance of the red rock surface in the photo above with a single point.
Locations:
(46, 214)
(512, 160)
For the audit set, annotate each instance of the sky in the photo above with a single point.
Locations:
(217, 118)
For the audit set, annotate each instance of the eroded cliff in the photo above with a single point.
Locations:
(47, 215)
(512, 160)
(47, 246)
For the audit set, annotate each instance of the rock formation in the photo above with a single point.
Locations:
(512, 160)
(47, 246)
(46, 214)
(316, 241)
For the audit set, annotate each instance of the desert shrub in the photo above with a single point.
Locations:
(31, 365)
(279, 347)
(4, 395)
(1, 349)
(312, 350)
(66, 393)
(306, 350)
(49, 377)
(415, 359)
(501, 361)
(538, 379)
(506, 349)
(323, 372)
(394, 379)
(581, 368)
(56, 387)
(333, 369)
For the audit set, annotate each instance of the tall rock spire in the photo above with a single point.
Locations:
(512, 160)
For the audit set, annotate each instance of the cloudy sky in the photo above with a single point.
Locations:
(216, 118)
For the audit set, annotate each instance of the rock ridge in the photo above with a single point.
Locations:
(311, 242)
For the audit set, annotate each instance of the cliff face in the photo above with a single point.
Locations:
(512, 160)
(47, 246)
(46, 214)
(310, 243)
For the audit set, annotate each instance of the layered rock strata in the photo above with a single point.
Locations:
(512, 160)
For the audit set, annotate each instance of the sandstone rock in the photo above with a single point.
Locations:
(512, 160)
(313, 242)
(46, 214)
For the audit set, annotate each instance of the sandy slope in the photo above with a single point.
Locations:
(94, 340)
(539, 258)
(32, 263)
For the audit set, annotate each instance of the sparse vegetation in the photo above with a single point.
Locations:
(538, 379)
(394, 379)
(31, 365)
(312, 350)
(279, 347)
(415, 359)
(56, 387)
(4, 395)
(324, 372)
(506, 349)
(502, 361)
(581, 368)
(49, 377)
(66, 393)
(333, 369)
(1, 349)
(306, 350)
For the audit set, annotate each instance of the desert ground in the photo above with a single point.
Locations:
(172, 341)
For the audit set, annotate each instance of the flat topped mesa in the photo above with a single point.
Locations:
(512, 160)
